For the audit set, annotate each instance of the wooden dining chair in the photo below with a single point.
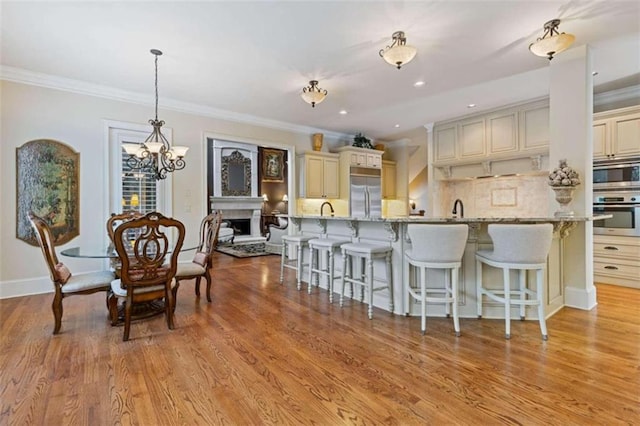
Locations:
(149, 264)
(115, 220)
(64, 282)
(203, 259)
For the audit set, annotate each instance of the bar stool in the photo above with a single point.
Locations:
(318, 247)
(523, 248)
(366, 253)
(299, 243)
(436, 247)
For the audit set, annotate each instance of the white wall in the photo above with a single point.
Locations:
(30, 112)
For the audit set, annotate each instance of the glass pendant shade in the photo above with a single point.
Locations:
(552, 42)
(312, 94)
(398, 53)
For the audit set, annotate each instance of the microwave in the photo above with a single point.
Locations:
(616, 175)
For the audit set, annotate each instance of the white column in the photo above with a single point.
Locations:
(571, 118)
(433, 191)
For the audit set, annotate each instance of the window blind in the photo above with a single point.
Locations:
(139, 189)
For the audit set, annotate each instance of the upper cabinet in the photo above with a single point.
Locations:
(503, 134)
(616, 133)
(319, 175)
(388, 180)
(361, 157)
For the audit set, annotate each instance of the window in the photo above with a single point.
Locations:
(133, 189)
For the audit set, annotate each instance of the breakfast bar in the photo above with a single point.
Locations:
(393, 231)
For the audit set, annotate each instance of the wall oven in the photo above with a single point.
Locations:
(624, 208)
(612, 175)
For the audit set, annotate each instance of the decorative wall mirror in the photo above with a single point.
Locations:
(236, 175)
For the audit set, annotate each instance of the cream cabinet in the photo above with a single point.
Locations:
(616, 133)
(616, 260)
(319, 175)
(515, 132)
(361, 157)
(388, 180)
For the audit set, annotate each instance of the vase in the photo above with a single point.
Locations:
(317, 141)
(564, 195)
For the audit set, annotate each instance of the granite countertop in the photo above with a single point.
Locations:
(426, 219)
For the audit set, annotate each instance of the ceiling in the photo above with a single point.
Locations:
(253, 58)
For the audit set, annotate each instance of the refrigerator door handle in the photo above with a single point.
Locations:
(366, 202)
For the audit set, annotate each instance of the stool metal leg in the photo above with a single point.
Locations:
(507, 303)
(539, 296)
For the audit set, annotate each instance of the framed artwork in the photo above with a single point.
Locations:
(272, 165)
(47, 183)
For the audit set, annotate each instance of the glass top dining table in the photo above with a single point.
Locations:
(102, 252)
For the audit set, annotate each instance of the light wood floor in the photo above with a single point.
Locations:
(263, 353)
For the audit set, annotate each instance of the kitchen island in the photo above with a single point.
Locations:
(393, 231)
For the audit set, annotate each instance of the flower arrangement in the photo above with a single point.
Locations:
(361, 141)
(563, 175)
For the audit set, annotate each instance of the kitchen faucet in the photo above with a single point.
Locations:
(326, 203)
(455, 208)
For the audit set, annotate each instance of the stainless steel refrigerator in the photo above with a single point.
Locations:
(365, 193)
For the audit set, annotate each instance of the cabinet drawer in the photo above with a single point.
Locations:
(616, 250)
(616, 269)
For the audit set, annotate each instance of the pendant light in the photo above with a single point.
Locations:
(398, 53)
(552, 41)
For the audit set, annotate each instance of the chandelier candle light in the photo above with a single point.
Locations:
(563, 180)
(552, 41)
(398, 53)
(156, 154)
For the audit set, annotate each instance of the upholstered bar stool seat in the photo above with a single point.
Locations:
(299, 243)
(366, 253)
(436, 247)
(523, 248)
(318, 247)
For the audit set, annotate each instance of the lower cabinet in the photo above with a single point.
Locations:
(388, 180)
(616, 260)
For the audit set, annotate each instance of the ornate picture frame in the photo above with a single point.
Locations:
(272, 165)
(47, 183)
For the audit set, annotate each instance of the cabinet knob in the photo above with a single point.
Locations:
(615, 268)
(611, 248)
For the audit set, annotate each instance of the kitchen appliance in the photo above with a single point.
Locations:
(624, 207)
(616, 174)
(365, 192)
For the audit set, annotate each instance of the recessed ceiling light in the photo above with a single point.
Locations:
(471, 106)
(594, 73)
(419, 83)
(343, 112)
(397, 125)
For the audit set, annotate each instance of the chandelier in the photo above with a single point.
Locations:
(155, 155)
(398, 53)
(552, 41)
(312, 94)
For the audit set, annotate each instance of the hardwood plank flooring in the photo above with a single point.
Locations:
(265, 353)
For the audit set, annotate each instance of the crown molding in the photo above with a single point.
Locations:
(618, 95)
(18, 75)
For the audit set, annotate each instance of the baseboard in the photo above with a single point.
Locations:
(580, 298)
(19, 288)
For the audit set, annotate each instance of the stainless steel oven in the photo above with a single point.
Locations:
(624, 208)
(612, 175)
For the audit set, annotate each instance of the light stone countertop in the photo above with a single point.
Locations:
(425, 219)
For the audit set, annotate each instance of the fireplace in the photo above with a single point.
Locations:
(240, 226)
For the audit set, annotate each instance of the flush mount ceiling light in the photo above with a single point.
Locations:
(312, 94)
(398, 53)
(155, 155)
(552, 41)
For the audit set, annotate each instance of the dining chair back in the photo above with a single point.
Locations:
(203, 260)
(64, 282)
(149, 264)
(115, 220)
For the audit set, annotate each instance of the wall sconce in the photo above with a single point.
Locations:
(412, 204)
(265, 198)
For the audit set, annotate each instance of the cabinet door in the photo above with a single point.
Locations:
(625, 135)
(502, 133)
(331, 179)
(471, 139)
(445, 144)
(314, 177)
(600, 139)
(534, 128)
(388, 181)
(374, 160)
